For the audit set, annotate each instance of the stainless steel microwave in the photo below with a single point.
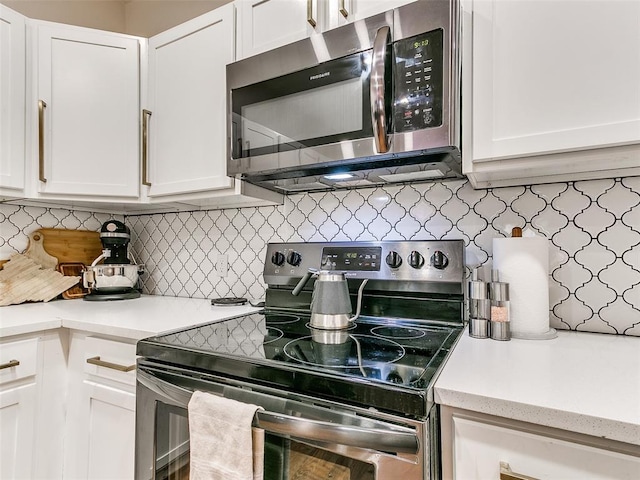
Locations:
(375, 101)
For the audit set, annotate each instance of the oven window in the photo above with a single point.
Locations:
(284, 459)
(312, 463)
(172, 443)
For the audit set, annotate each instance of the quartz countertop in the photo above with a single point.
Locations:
(135, 318)
(582, 382)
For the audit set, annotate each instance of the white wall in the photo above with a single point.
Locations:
(100, 14)
(146, 18)
(143, 18)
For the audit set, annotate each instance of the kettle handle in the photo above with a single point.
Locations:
(303, 281)
(359, 304)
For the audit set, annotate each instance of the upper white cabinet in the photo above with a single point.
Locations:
(341, 12)
(185, 116)
(267, 24)
(12, 101)
(85, 112)
(551, 90)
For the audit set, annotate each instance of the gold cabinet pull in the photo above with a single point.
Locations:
(41, 106)
(146, 114)
(343, 10)
(113, 366)
(507, 474)
(310, 18)
(9, 364)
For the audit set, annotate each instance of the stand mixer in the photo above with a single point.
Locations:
(117, 276)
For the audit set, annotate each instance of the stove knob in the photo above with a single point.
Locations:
(294, 259)
(416, 260)
(278, 259)
(394, 260)
(439, 260)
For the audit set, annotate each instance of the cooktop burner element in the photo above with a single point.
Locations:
(357, 351)
(388, 359)
(402, 333)
(281, 318)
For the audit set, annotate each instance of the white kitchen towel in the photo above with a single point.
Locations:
(223, 444)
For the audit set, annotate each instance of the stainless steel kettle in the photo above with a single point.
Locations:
(330, 303)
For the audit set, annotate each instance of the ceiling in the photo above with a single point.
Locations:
(143, 18)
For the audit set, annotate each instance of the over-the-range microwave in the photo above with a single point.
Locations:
(375, 101)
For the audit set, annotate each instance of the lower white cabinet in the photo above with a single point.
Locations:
(100, 420)
(67, 406)
(18, 394)
(477, 446)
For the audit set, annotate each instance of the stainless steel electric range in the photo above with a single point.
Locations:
(356, 401)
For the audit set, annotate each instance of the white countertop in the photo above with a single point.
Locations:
(135, 318)
(582, 382)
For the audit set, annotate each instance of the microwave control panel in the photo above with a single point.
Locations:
(418, 79)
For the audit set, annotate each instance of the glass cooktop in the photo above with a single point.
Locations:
(277, 349)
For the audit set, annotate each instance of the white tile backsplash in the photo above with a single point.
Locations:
(593, 228)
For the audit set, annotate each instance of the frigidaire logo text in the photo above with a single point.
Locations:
(320, 75)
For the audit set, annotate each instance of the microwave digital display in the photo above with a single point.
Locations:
(418, 82)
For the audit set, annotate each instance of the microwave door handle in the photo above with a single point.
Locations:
(396, 440)
(376, 89)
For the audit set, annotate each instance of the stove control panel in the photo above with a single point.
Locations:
(410, 260)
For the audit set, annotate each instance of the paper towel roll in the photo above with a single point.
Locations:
(524, 264)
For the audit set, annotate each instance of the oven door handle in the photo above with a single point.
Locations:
(393, 440)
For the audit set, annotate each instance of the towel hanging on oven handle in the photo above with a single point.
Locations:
(396, 439)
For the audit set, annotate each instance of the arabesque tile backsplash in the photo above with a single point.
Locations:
(593, 227)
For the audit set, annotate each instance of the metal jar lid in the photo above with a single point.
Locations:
(498, 291)
(477, 287)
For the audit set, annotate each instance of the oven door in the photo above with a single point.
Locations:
(302, 439)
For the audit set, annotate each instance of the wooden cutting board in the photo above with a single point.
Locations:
(71, 246)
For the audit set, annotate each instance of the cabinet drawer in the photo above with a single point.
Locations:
(18, 359)
(110, 359)
(480, 448)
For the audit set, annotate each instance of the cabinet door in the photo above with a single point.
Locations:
(108, 444)
(479, 449)
(100, 423)
(12, 99)
(267, 24)
(187, 98)
(18, 392)
(17, 431)
(549, 78)
(88, 82)
(341, 12)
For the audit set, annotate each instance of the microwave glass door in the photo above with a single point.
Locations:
(324, 104)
